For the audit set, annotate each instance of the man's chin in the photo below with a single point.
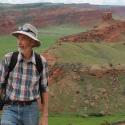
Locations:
(21, 50)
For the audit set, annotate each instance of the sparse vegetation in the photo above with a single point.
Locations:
(90, 53)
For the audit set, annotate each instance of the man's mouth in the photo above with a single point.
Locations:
(20, 46)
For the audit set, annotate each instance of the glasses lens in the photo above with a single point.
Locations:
(25, 28)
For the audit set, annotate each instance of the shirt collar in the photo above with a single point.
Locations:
(32, 59)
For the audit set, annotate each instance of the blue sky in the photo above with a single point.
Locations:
(104, 2)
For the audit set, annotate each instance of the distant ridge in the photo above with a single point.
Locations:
(47, 14)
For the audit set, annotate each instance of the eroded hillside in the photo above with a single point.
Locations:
(86, 75)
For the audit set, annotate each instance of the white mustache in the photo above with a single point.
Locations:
(20, 50)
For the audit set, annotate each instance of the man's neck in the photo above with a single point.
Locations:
(27, 54)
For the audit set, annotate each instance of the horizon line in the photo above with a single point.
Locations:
(61, 3)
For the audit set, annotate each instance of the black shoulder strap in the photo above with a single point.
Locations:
(13, 61)
(39, 67)
(39, 64)
(12, 64)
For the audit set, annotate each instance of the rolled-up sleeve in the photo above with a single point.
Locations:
(44, 74)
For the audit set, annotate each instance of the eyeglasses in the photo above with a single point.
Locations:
(26, 29)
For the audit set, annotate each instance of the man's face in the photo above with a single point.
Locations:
(24, 42)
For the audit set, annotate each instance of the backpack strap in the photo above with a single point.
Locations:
(13, 61)
(12, 64)
(39, 64)
(39, 67)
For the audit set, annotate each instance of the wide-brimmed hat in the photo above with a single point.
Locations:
(28, 30)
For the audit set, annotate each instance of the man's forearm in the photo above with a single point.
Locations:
(45, 103)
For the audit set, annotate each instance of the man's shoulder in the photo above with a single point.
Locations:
(9, 55)
(43, 58)
(7, 58)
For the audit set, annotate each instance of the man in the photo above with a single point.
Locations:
(22, 90)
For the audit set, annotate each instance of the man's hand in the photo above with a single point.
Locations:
(43, 120)
(44, 109)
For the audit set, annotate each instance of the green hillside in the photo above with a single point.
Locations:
(48, 37)
(90, 53)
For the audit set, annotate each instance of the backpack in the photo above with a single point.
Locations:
(13, 61)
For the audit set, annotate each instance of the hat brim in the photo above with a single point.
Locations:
(37, 42)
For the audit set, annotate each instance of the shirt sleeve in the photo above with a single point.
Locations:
(4, 68)
(44, 75)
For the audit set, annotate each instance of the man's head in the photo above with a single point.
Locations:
(28, 32)
(25, 43)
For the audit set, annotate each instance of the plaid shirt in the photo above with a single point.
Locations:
(23, 81)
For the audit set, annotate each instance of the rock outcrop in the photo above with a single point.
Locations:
(107, 16)
(112, 31)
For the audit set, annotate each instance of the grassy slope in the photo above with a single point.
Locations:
(73, 120)
(90, 53)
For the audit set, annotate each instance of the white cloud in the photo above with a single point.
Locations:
(115, 2)
(119, 2)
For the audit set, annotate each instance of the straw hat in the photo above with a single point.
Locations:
(28, 30)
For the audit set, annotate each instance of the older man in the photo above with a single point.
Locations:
(23, 84)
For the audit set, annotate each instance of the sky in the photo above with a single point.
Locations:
(100, 2)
